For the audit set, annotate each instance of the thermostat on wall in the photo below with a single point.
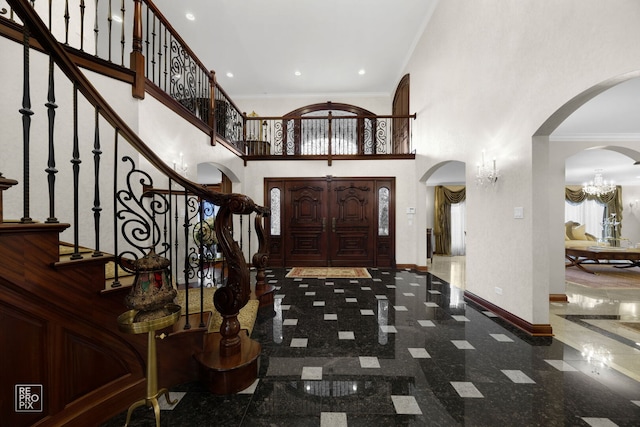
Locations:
(411, 210)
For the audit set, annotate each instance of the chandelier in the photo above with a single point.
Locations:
(599, 186)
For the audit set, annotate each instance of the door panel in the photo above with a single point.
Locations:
(305, 218)
(351, 237)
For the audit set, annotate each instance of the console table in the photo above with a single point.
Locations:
(578, 256)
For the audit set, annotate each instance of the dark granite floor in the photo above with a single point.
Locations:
(403, 349)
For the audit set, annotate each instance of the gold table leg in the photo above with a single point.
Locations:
(152, 384)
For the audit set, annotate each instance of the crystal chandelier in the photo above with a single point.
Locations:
(599, 186)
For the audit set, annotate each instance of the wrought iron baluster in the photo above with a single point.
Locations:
(122, 37)
(75, 161)
(109, 29)
(96, 28)
(153, 48)
(146, 43)
(249, 236)
(97, 209)
(82, 7)
(201, 261)
(51, 114)
(67, 17)
(187, 324)
(176, 228)
(241, 229)
(26, 126)
(167, 60)
(116, 278)
(159, 55)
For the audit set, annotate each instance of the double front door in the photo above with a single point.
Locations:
(331, 221)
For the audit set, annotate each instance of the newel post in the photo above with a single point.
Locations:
(136, 58)
(263, 291)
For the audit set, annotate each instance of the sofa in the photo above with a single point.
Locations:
(576, 237)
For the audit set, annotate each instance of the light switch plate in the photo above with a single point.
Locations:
(518, 212)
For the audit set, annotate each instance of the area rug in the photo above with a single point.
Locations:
(329, 273)
(606, 277)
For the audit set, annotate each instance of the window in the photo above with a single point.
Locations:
(383, 211)
(590, 213)
(275, 211)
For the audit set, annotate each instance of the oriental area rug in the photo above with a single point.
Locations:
(329, 273)
(606, 277)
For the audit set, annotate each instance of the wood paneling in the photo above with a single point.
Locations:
(60, 330)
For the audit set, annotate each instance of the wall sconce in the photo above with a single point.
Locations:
(485, 174)
(182, 166)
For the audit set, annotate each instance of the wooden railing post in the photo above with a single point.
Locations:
(136, 58)
(263, 291)
(329, 131)
(211, 121)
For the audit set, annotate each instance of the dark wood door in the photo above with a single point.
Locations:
(331, 221)
(401, 125)
(351, 238)
(305, 222)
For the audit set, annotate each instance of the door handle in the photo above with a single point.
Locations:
(333, 224)
(324, 224)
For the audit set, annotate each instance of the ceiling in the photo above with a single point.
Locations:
(263, 43)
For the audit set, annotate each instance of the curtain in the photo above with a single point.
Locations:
(589, 212)
(458, 227)
(612, 201)
(444, 197)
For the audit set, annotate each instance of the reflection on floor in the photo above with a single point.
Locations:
(404, 348)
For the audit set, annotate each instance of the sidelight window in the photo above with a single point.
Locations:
(383, 211)
(275, 211)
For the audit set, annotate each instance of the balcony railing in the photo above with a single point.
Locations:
(327, 136)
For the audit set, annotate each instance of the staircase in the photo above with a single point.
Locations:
(58, 306)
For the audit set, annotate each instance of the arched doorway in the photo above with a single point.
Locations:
(594, 119)
(446, 215)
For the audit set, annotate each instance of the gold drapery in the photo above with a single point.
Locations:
(613, 201)
(444, 198)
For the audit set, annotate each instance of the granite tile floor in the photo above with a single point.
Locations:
(404, 349)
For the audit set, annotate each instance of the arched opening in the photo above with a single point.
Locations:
(446, 220)
(587, 133)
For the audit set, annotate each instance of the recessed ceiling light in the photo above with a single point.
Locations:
(190, 16)
(297, 73)
(116, 18)
(230, 74)
(361, 71)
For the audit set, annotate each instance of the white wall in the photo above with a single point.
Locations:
(487, 75)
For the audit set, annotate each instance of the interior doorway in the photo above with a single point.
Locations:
(330, 221)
